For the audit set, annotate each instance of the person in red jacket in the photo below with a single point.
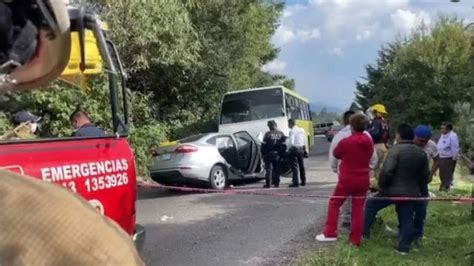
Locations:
(355, 153)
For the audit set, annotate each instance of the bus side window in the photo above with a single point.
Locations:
(288, 107)
(309, 112)
(302, 115)
(304, 110)
(296, 109)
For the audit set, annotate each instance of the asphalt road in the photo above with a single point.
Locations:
(218, 229)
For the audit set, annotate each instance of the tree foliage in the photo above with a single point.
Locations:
(180, 57)
(421, 78)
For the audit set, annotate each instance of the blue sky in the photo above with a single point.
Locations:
(326, 43)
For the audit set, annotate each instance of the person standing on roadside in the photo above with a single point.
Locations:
(448, 148)
(342, 134)
(423, 140)
(404, 173)
(296, 151)
(379, 131)
(355, 153)
(272, 145)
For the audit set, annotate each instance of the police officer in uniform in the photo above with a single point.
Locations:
(272, 146)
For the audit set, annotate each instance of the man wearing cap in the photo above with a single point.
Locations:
(25, 125)
(423, 140)
(272, 146)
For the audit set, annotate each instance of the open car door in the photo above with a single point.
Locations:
(247, 152)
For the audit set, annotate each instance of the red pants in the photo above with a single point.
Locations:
(348, 187)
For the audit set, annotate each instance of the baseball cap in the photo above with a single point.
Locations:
(23, 117)
(422, 131)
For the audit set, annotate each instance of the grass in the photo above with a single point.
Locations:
(449, 233)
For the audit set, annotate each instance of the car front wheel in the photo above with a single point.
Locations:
(218, 177)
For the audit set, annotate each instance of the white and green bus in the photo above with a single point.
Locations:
(250, 110)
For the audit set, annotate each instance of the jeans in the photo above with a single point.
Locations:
(405, 211)
(421, 208)
(372, 207)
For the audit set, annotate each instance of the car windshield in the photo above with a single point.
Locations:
(252, 105)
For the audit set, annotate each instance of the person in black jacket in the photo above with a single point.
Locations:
(272, 147)
(404, 173)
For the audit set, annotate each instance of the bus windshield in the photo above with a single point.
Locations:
(252, 105)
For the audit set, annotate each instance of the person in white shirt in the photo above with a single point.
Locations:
(296, 146)
(334, 163)
(448, 148)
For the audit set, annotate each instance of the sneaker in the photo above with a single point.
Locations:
(401, 253)
(293, 185)
(266, 186)
(303, 184)
(323, 238)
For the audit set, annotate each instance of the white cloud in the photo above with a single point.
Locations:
(291, 10)
(275, 67)
(306, 35)
(405, 20)
(355, 3)
(344, 16)
(336, 51)
(285, 34)
(364, 35)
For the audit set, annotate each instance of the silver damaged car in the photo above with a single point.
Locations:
(214, 158)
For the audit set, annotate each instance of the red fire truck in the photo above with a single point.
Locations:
(102, 170)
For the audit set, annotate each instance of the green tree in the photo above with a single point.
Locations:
(422, 78)
(180, 57)
(465, 127)
(188, 53)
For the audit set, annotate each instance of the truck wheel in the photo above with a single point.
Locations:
(218, 177)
